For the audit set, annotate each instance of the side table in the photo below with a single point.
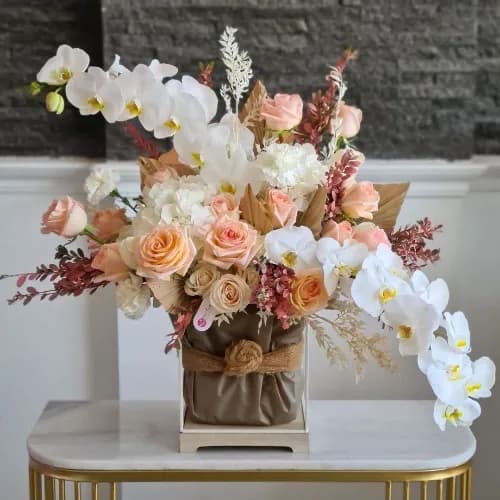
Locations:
(113, 442)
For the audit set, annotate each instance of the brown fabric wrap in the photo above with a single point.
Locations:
(243, 357)
(257, 397)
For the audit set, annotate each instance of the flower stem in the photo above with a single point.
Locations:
(116, 194)
(88, 232)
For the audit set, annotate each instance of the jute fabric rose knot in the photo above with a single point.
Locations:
(243, 357)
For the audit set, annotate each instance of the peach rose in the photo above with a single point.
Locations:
(371, 235)
(164, 251)
(351, 120)
(339, 232)
(201, 279)
(65, 217)
(229, 294)
(159, 176)
(308, 292)
(360, 199)
(108, 260)
(283, 112)
(231, 242)
(225, 203)
(282, 207)
(109, 222)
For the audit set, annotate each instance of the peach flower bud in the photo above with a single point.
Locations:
(225, 203)
(164, 251)
(351, 120)
(65, 217)
(283, 112)
(109, 222)
(231, 242)
(229, 294)
(308, 292)
(109, 261)
(161, 175)
(360, 199)
(339, 232)
(282, 207)
(371, 235)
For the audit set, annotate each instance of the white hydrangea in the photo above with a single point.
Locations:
(133, 297)
(100, 183)
(293, 168)
(182, 200)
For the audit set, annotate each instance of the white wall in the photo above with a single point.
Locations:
(70, 350)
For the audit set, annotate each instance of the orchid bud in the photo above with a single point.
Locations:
(54, 102)
(35, 88)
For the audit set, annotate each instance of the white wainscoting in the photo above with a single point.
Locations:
(78, 348)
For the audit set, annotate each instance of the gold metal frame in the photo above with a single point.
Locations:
(51, 483)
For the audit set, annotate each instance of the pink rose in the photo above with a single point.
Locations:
(109, 222)
(351, 120)
(65, 217)
(339, 232)
(109, 261)
(282, 207)
(371, 235)
(231, 242)
(283, 112)
(359, 199)
(225, 204)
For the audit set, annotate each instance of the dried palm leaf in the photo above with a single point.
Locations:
(254, 212)
(312, 216)
(391, 200)
(250, 113)
(170, 294)
(169, 160)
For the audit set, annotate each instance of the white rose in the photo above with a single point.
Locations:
(101, 181)
(133, 297)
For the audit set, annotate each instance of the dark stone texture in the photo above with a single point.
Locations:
(30, 32)
(428, 75)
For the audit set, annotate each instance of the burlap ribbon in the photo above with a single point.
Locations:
(242, 357)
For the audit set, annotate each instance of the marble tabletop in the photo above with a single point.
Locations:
(344, 435)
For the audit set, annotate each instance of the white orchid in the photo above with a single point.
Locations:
(458, 332)
(339, 260)
(203, 94)
(294, 247)
(379, 281)
(162, 70)
(434, 292)
(116, 68)
(414, 322)
(61, 68)
(462, 414)
(100, 183)
(447, 371)
(479, 384)
(95, 92)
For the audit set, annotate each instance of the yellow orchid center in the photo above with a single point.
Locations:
(96, 103)
(454, 372)
(173, 125)
(344, 270)
(405, 332)
(452, 414)
(460, 344)
(133, 108)
(289, 259)
(198, 161)
(64, 74)
(227, 187)
(472, 388)
(387, 294)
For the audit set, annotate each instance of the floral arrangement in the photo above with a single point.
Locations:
(261, 207)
